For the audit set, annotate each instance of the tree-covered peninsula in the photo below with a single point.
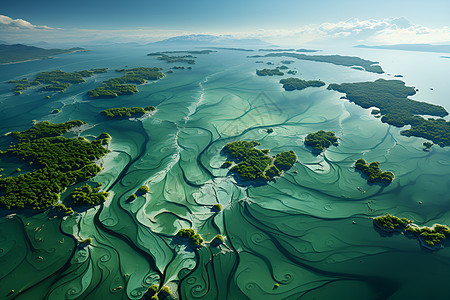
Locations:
(269, 72)
(348, 61)
(430, 237)
(126, 113)
(255, 164)
(391, 98)
(54, 80)
(125, 85)
(321, 140)
(373, 171)
(58, 161)
(290, 84)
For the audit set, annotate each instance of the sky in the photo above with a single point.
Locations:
(351, 21)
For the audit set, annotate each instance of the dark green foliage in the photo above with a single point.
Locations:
(292, 72)
(59, 76)
(61, 162)
(373, 172)
(45, 129)
(132, 197)
(55, 111)
(269, 130)
(55, 80)
(285, 160)
(149, 108)
(290, 84)
(218, 239)
(123, 113)
(217, 207)
(429, 236)
(194, 239)
(178, 68)
(348, 61)
(125, 85)
(84, 195)
(283, 68)
(255, 164)
(269, 72)
(391, 223)
(427, 145)
(189, 59)
(62, 208)
(142, 190)
(390, 96)
(321, 140)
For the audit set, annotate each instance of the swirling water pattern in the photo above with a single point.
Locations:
(289, 239)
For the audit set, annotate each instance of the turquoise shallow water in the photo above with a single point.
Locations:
(297, 232)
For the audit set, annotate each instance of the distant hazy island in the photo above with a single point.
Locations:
(57, 81)
(290, 84)
(125, 85)
(373, 172)
(321, 140)
(348, 61)
(195, 52)
(21, 53)
(58, 161)
(269, 72)
(126, 113)
(430, 237)
(255, 164)
(412, 47)
(391, 98)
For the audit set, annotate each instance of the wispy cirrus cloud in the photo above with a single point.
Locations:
(9, 24)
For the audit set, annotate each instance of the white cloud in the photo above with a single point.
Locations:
(7, 23)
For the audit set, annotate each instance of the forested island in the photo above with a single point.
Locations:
(125, 85)
(21, 53)
(290, 84)
(269, 72)
(373, 172)
(54, 80)
(126, 113)
(391, 98)
(194, 52)
(430, 237)
(321, 140)
(255, 164)
(58, 161)
(348, 61)
(189, 59)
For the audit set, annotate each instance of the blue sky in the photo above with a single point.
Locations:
(168, 18)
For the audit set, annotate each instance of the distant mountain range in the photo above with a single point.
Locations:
(210, 40)
(412, 47)
(20, 53)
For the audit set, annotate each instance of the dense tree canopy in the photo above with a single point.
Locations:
(321, 140)
(290, 84)
(373, 171)
(391, 98)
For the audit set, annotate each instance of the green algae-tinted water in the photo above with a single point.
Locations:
(297, 232)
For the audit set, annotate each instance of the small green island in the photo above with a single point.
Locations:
(269, 72)
(58, 163)
(347, 61)
(194, 239)
(429, 237)
(321, 140)
(188, 58)
(255, 164)
(391, 99)
(122, 113)
(290, 84)
(125, 85)
(373, 172)
(56, 81)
